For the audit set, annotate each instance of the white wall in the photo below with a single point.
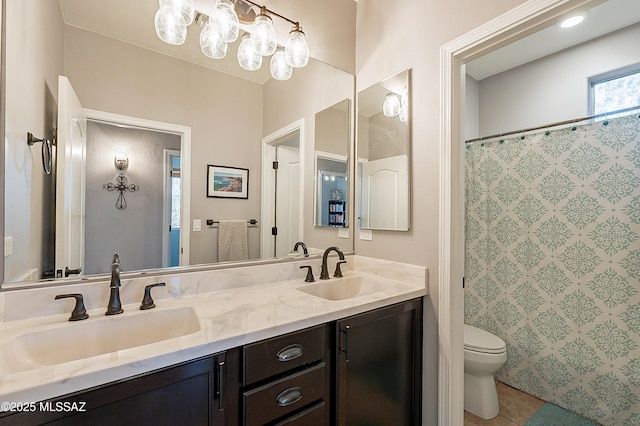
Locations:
(34, 54)
(553, 88)
(388, 40)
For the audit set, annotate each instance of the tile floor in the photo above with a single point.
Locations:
(515, 408)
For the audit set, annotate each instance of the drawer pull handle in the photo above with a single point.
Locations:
(289, 353)
(289, 396)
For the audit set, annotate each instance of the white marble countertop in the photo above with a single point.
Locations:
(228, 318)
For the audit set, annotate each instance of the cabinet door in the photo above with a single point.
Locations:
(191, 394)
(379, 357)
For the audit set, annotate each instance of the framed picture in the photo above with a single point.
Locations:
(227, 182)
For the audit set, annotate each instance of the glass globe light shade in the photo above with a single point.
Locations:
(263, 35)
(211, 42)
(184, 8)
(296, 48)
(225, 21)
(391, 106)
(403, 114)
(248, 58)
(280, 69)
(170, 27)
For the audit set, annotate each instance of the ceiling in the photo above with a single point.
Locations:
(607, 17)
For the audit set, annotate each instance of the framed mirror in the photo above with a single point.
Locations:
(119, 69)
(384, 154)
(333, 133)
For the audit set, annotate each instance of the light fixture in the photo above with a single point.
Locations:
(248, 58)
(403, 114)
(222, 27)
(225, 21)
(121, 161)
(263, 35)
(211, 42)
(184, 9)
(170, 27)
(574, 20)
(296, 48)
(391, 106)
(280, 69)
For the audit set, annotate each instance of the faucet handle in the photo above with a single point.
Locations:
(309, 278)
(79, 311)
(147, 301)
(338, 271)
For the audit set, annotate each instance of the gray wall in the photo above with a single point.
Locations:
(137, 231)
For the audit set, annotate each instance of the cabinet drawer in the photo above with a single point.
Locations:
(313, 416)
(279, 354)
(283, 396)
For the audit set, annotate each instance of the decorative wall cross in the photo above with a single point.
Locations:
(121, 186)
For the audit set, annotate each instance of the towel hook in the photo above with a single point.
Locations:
(47, 153)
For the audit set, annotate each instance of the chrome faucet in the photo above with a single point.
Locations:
(324, 273)
(115, 306)
(304, 248)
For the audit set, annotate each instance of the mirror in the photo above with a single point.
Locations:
(384, 150)
(226, 118)
(333, 133)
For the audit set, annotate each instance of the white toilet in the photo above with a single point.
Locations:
(484, 354)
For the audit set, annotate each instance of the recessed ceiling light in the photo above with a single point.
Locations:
(572, 21)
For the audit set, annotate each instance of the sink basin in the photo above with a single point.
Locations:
(95, 336)
(344, 288)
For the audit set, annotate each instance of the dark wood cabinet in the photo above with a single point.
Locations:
(287, 379)
(192, 393)
(379, 366)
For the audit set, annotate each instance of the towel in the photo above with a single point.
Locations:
(232, 240)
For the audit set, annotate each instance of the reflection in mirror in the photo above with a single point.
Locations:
(384, 148)
(225, 116)
(331, 167)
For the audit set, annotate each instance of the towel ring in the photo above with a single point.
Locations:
(47, 151)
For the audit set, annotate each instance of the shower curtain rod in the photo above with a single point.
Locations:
(559, 123)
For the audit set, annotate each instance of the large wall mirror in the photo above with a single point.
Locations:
(384, 154)
(173, 113)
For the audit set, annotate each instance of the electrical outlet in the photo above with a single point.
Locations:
(8, 246)
(343, 233)
(366, 234)
(197, 225)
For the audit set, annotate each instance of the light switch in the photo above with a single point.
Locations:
(197, 225)
(366, 234)
(8, 246)
(343, 233)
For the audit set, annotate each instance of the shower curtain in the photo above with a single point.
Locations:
(552, 263)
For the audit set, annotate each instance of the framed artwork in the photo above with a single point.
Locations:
(227, 182)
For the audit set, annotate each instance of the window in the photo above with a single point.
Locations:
(615, 90)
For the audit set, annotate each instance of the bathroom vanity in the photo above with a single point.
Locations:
(272, 353)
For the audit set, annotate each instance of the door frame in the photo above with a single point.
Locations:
(518, 23)
(267, 204)
(166, 205)
(185, 163)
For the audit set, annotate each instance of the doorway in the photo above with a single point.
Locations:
(282, 191)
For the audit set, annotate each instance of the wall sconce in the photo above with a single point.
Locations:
(121, 161)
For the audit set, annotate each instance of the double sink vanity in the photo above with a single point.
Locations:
(250, 345)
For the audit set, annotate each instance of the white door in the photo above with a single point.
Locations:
(287, 199)
(385, 194)
(70, 179)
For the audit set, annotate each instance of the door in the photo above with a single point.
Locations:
(385, 194)
(171, 204)
(70, 180)
(287, 198)
(379, 356)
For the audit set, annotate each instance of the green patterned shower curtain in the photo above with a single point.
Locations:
(552, 263)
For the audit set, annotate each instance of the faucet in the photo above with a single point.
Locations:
(324, 274)
(304, 248)
(115, 306)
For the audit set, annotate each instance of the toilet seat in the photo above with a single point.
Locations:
(481, 341)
